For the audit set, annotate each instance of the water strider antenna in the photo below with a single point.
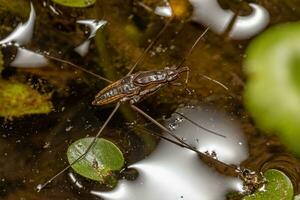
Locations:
(190, 52)
(192, 48)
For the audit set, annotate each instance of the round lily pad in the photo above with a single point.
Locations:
(99, 163)
(278, 187)
(272, 93)
(75, 3)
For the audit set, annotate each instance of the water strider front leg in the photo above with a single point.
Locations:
(42, 186)
(140, 58)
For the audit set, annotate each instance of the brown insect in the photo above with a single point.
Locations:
(137, 86)
(133, 88)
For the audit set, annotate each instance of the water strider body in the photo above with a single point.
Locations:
(134, 87)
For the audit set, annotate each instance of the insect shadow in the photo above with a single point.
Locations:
(133, 88)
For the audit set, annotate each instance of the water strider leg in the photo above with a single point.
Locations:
(131, 70)
(251, 179)
(78, 67)
(198, 125)
(223, 168)
(214, 81)
(160, 136)
(162, 127)
(189, 53)
(141, 57)
(41, 186)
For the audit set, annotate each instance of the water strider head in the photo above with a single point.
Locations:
(174, 73)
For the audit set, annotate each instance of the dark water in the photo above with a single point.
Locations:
(33, 147)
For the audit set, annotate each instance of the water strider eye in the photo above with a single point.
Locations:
(171, 72)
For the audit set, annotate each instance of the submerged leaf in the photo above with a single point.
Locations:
(99, 163)
(272, 92)
(75, 3)
(18, 99)
(278, 187)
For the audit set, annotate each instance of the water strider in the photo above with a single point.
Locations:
(132, 89)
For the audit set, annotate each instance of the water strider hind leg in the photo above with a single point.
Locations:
(162, 127)
(230, 170)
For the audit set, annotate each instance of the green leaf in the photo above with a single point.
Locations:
(18, 99)
(277, 187)
(75, 3)
(272, 93)
(99, 163)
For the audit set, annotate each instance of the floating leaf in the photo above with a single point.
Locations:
(18, 99)
(75, 3)
(272, 92)
(278, 187)
(100, 161)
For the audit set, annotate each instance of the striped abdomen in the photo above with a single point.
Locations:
(115, 92)
(150, 77)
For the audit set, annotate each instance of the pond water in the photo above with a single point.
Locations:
(107, 38)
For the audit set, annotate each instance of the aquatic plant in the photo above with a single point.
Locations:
(19, 99)
(75, 3)
(272, 93)
(99, 163)
(278, 187)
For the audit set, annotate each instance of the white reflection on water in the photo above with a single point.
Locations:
(231, 150)
(22, 35)
(93, 25)
(164, 11)
(211, 14)
(26, 58)
(245, 27)
(172, 172)
(23, 32)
